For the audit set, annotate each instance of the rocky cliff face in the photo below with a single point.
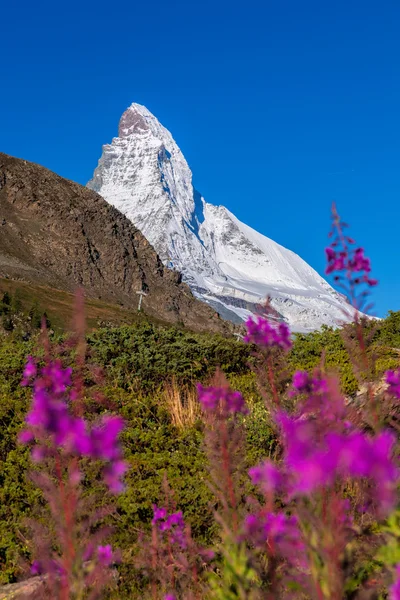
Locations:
(226, 263)
(58, 233)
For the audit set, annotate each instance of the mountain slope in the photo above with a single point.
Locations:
(57, 233)
(226, 263)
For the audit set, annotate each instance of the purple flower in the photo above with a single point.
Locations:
(26, 436)
(113, 474)
(395, 588)
(104, 438)
(105, 555)
(29, 372)
(262, 333)
(172, 525)
(267, 476)
(176, 519)
(279, 530)
(301, 381)
(371, 457)
(354, 262)
(315, 458)
(59, 377)
(393, 380)
(169, 597)
(50, 416)
(36, 568)
(103, 444)
(319, 400)
(212, 397)
(359, 262)
(304, 383)
(159, 513)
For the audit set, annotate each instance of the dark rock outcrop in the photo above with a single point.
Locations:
(58, 233)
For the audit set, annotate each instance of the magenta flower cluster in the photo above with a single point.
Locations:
(392, 378)
(263, 333)
(51, 418)
(170, 525)
(305, 384)
(223, 397)
(281, 531)
(356, 262)
(105, 555)
(314, 459)
(314, 398)
(395, 588)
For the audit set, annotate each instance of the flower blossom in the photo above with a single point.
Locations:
(280, 531)
(30, 371)
(105, 555)
(392, 378)
(230, 402)
(267, 476)
(314, 458)
(395, 588)
(36, 568)
(50, 417)
(356, 262)
(304, 383)
(173, 525)
(262, 333)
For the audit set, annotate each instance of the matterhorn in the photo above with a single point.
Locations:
(226, 263)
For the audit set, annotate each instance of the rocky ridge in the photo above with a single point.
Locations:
(58, 233)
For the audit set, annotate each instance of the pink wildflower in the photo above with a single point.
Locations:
(314, 458)
(266, 475)
(29, 372)
(393, 380)
(262, 333)
(50, 416)
(105, 555)
(36, 568)
(172, 526)
(212, 397)
(395, 588)
(279, 530)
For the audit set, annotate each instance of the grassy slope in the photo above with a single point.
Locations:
(59, 305)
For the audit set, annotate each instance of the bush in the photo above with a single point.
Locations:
(137, 361)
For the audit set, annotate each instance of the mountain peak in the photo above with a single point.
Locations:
(231, 266)
(135, 120)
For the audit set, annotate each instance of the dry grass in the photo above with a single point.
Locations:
(182, 404)
(59, 305)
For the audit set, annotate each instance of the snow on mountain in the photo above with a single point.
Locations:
(231, 266)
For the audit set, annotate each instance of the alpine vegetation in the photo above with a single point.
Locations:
(316, 517)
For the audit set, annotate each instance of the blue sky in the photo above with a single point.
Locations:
(279, 107)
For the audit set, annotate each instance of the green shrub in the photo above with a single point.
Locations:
(137, 360)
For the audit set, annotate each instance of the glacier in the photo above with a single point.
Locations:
(226, 263)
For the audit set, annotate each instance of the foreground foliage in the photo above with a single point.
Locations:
(280, 481)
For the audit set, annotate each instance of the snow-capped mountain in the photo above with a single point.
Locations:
(231, 266)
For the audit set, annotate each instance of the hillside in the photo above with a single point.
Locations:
(58, 234)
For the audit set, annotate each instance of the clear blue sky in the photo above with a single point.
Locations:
(279, 106)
